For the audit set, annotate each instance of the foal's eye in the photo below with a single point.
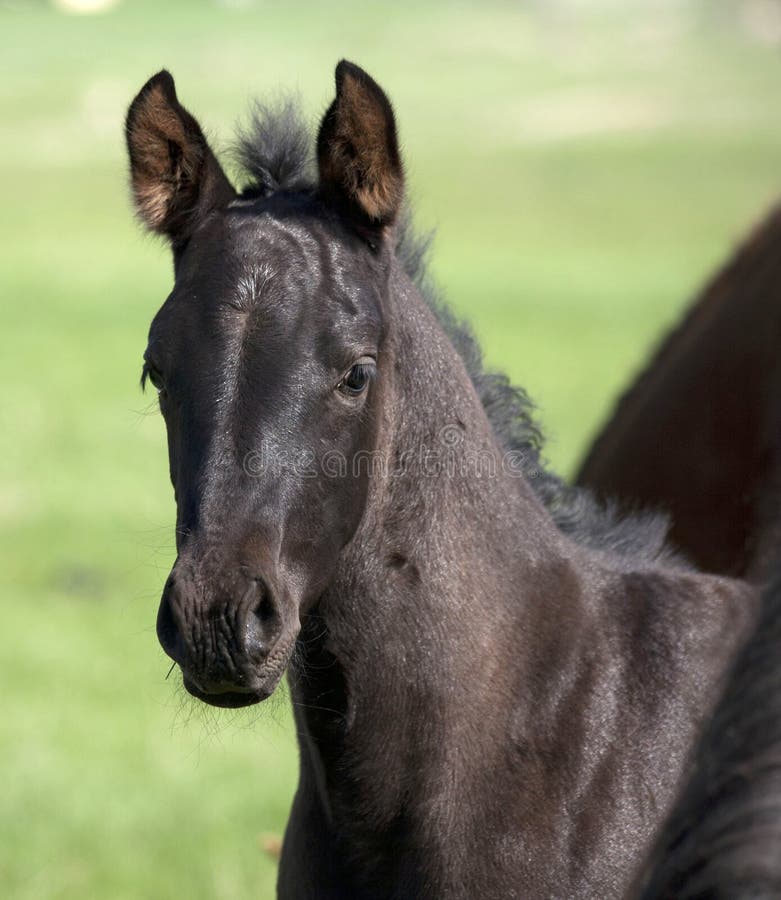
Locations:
(357, 379)
(153, 375)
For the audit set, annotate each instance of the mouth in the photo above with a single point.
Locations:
(253, 686)
(227, 699)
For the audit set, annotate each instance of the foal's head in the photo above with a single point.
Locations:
(268, 360)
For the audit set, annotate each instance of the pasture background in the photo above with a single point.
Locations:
(586, 164)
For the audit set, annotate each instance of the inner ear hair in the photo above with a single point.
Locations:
(174, 175)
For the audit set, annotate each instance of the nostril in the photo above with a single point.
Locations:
(167, 628)
(262, 624)
(264, 611)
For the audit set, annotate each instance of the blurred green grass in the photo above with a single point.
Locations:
(586, 164)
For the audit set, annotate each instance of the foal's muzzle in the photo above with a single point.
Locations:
(228, 635)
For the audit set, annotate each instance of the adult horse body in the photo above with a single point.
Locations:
(491, 699)
(699, 432)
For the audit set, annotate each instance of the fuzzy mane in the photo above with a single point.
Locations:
(275, 153)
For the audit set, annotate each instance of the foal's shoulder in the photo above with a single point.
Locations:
(683, 606)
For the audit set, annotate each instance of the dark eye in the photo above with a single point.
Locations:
(153, 375)
(357, 379)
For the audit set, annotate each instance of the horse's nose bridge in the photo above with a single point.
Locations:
(205, 580)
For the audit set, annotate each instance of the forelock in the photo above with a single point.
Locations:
(275, 149)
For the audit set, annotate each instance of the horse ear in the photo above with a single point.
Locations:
(358, 152)
(176, 178)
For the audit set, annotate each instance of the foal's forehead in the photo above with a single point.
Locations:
(275, 270)
(257, 235)
(294, 258)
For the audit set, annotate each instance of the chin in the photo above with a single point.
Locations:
(227, 699)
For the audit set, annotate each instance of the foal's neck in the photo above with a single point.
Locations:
(449, 519)
(424, 615)
(471, 678)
